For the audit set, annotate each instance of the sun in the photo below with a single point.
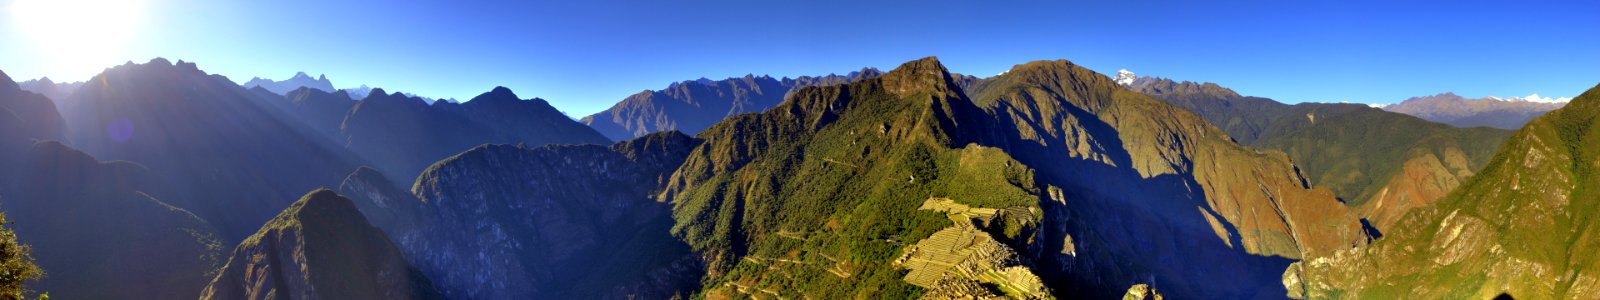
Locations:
(75, 35)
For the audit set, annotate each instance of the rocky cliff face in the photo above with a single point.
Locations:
(1132, 181)
(1523, 226)
(513, 222)
(319, 248)
(691, 106)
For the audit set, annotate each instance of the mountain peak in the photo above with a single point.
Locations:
(918, 75)
(1125, 77)
(6, 84)
(499, 93)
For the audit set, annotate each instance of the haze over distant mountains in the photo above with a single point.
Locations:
(692, 105)
(49, 88)
(299, 80)
(1449, 108)
(1046, 181)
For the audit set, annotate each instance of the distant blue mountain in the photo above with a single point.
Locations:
(299, 80)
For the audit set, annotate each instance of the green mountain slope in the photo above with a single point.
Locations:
(1096, 187)
(1354, 150)
(818, 196)
(319, 248)
(1523, 226)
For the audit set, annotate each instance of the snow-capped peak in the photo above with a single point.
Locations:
(1125, 77)
(1534, 98)
(1377, 105)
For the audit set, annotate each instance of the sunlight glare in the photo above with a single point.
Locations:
(78, 36)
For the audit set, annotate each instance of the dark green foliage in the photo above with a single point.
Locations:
(1532, 206)
(16, 263)
(818, 196)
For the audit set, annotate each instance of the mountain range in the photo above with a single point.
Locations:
(49, 88)
(197, 164)
(1496, 112)
(1049, 180)
(299, 80)
(692, 105)
(1521, 227)
(1348, 148)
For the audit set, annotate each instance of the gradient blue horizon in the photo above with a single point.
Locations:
(584, 56)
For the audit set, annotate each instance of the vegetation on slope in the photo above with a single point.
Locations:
(16, 263)
(1525, 225)
(1138, 180)
(1351, 149)
(818, 196)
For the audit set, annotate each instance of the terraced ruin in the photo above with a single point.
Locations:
(964, 262)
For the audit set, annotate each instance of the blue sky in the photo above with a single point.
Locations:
(584, 56)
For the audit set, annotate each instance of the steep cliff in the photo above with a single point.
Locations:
(1132, 182)
(514, 222)
(319, 248)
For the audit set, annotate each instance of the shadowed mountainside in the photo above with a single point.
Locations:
(513, 222)
(226, 156)
(1360, 153)
(319, 248)
(1524, 226)
(1105, 188)
(401, 135)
